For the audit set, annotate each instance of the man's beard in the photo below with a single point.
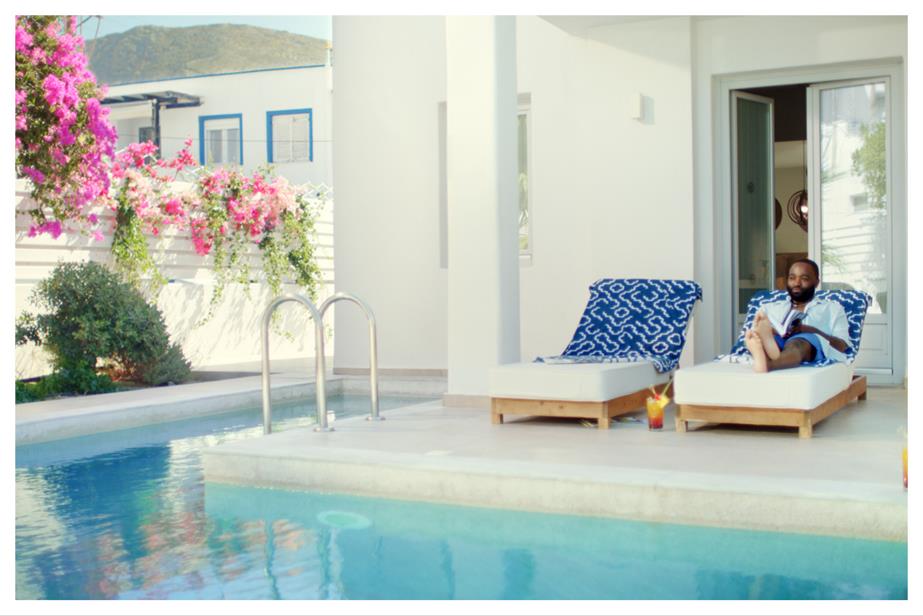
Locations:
(805, 295)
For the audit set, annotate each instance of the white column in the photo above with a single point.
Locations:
(483, 280)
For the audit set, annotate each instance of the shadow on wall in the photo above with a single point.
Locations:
(231, 335)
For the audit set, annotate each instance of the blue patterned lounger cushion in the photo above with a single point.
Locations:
(633, 319)
(855, 303)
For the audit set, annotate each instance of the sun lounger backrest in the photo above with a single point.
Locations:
(855, 304)
(635, 319)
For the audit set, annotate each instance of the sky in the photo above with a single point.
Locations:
(318, 26)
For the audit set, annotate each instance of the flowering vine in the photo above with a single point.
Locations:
(65, 146)
(63, 136)
(226, 212)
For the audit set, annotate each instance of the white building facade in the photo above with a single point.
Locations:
(246, 119)
(629, 173)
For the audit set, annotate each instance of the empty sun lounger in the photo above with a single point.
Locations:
(629, 338)
(728, 391)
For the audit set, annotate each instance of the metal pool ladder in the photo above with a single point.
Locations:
(374, 414)
(317, 315)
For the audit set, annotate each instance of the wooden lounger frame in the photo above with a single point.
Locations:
(602, 412)
(804, 420)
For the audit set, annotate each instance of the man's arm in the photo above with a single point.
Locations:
(837, 343)
(839, 325)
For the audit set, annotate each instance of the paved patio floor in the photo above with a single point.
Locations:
(844, 481)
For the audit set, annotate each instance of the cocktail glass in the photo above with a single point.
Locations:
(655, 408)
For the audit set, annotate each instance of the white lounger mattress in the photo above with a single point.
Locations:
(577, 382)
(721, 383)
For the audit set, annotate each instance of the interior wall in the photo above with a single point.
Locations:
(789, 236)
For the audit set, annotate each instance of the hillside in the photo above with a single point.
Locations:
(154, 52)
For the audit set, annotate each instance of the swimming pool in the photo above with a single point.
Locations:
(127, 515)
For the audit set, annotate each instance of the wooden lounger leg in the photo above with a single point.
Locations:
(496, 417)
(604, 422)
(806, 429)
(681, 424)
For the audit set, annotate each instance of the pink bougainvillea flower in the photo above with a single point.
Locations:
(56, 93)
(37, 176)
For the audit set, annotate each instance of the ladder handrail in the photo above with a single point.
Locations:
(373, 346)
(319, 359)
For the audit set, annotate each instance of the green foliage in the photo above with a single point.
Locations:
(170, 367)
(287, 246)
(62, 135)
(91, 315)
(77, 380)
(869, 161)
(155, 52)
(298, 231)
(129, 248)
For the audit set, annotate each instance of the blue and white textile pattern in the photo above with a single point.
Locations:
(633, 319)
(855, 304)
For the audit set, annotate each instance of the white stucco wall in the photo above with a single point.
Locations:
(386, 221)
(610, 195)
(599, 208)
(250, 94)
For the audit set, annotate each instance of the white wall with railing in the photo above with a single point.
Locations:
(230, 336)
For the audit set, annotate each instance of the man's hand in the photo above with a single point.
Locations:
(836, 343)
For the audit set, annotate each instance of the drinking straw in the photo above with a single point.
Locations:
(667, 386)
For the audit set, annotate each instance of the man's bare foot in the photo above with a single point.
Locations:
(763, 327)
(755, 346)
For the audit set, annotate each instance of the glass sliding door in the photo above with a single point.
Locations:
(851, 214)
(752, 191)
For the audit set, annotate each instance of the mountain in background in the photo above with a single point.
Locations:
(154, 52)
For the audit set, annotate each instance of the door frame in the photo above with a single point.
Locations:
(894, 70)
(735, 188)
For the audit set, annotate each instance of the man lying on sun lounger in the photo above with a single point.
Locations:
(801, 330)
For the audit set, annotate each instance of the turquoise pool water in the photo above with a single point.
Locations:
(127, 515)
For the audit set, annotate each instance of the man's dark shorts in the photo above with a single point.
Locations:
(813, 339)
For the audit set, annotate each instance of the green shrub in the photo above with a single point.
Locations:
(92, 315)
(171, 367)
(27, 392)
(81, 380)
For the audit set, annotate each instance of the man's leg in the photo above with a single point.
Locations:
(763, 327)
(796, 350)
(757, 351)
